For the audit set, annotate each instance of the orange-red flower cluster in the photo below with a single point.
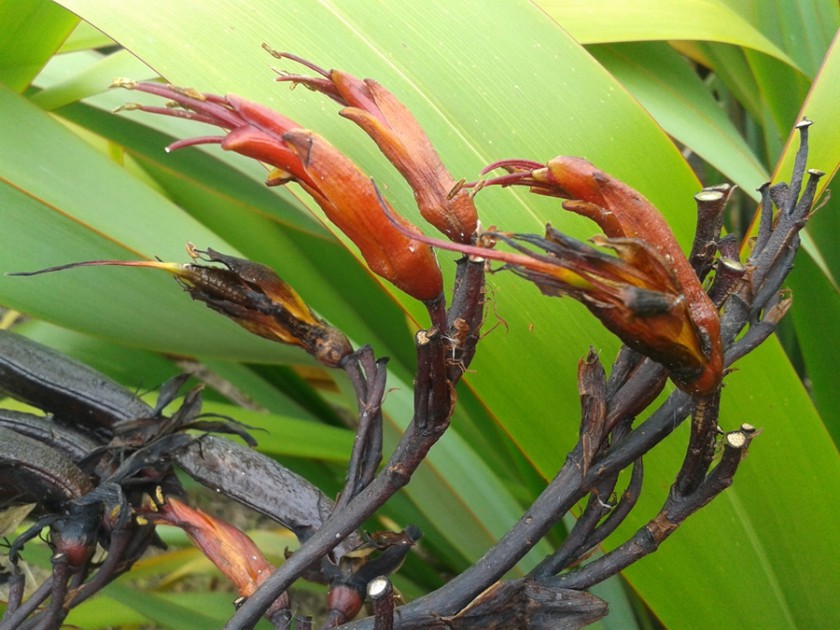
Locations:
(648, 295)
(662, 309)
(402, 140)
(345, 194)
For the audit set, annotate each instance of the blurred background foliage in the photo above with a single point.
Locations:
(662, 94)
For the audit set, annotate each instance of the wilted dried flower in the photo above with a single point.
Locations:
(250, 294)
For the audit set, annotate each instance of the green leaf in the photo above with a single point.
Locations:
(85, 37)
(820, 106)
(91, 79)
(675, 96)
(182, 612)
(801, 29)
(816, 321)
(32, 31)
(280, 435)
(600, 21)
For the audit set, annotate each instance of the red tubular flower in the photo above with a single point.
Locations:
(623, 213)
(649, 296)
(344, 192)
(401, 138)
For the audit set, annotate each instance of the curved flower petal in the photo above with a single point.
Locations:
(402, 140)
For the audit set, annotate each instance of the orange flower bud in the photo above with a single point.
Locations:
(347, 196)
(230, 549)
(402, 140)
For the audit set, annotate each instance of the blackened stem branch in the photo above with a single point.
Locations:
(368, 377)
(17, 586)
(711, 203)
(701, 444)
(431, 417)
(568, 487)
(677, 508)
(13, 621)
(443, 354)
(465, 316)
(56, 612)
(381, 594)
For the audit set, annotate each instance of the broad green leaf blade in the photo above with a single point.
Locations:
(130, 607)
(56, 205)
(282, 435)
(675, 96)
(264, 393)
(93, 79)
(139, 370)
(782, 89)
(730, 66)
(820, 106)
(802, 29)
(600, 21)
(32, 31)
(85, 37)
(176, 612)
(815, 312)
